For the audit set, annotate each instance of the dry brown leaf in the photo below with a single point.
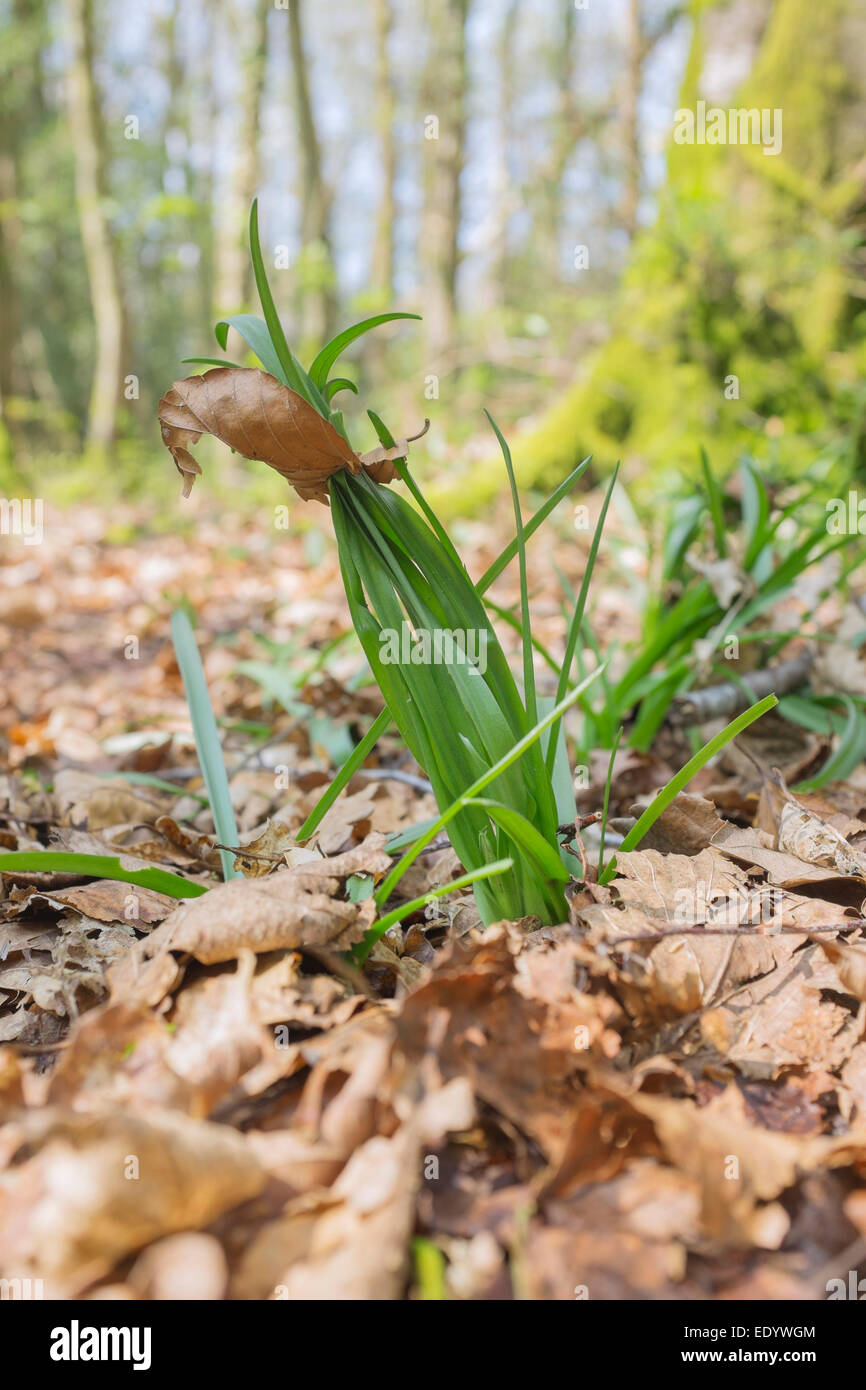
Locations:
(282, 993)
(683, 972)
(351, 809)
(116, 1055)
(352, 1241)
(93, 1188)
(182, 1267)
(785, 870)
(260, 856)
(88, 802)
(725, 577)
(276, 913)
(216, 1038)
(624, 1239)
(808, 837)
(737, 1164)
(686, 826)
(106, 900)
(289, 909)
(839, 664)
(852, 1085)
(850, 962)
(789, 1017)
(741, 1167)
(261, 419)
(474, 1013)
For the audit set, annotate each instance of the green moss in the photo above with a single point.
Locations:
(746, 273)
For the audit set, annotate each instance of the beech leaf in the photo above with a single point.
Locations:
(261, 419)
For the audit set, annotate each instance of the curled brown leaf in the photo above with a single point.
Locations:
(257, 416)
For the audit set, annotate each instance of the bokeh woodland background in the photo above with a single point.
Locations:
(505, 169)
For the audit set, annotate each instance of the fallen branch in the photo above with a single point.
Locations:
(722, 701)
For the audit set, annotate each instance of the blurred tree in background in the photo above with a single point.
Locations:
(741, 318)
(506, 169)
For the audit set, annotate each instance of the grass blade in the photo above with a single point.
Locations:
(355, 760)
(577, 616)
(210, 755)
(685, 775)
(606, 804)
(292, 373)
(429, 1271)
(529, 695)
(47, 861)
(209, 362)
(324, 361)
(492, 573)
(849, 754)
(717, 506)
(360, 952)
(399, 869)
(524, 834)
(338, 383)
(257, 338)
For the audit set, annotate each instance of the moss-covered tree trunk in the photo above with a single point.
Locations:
(87, 132)
(741, 319)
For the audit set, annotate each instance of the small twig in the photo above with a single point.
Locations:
(722, 701)
(572, 831)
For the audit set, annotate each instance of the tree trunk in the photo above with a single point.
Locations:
(234, 272)
(12, 377)
(444, 95)
(201, 120)
(106, 297)
(382, 268)
(566, 129)
(504, 197)
(316, 270)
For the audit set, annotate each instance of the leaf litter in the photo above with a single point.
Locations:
(664, 1097)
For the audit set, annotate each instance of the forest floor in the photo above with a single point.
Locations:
(664, 1097)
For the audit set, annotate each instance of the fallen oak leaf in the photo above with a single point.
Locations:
(739, 1202)
(186, 1266)
(260, 856)
(788, 1017)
